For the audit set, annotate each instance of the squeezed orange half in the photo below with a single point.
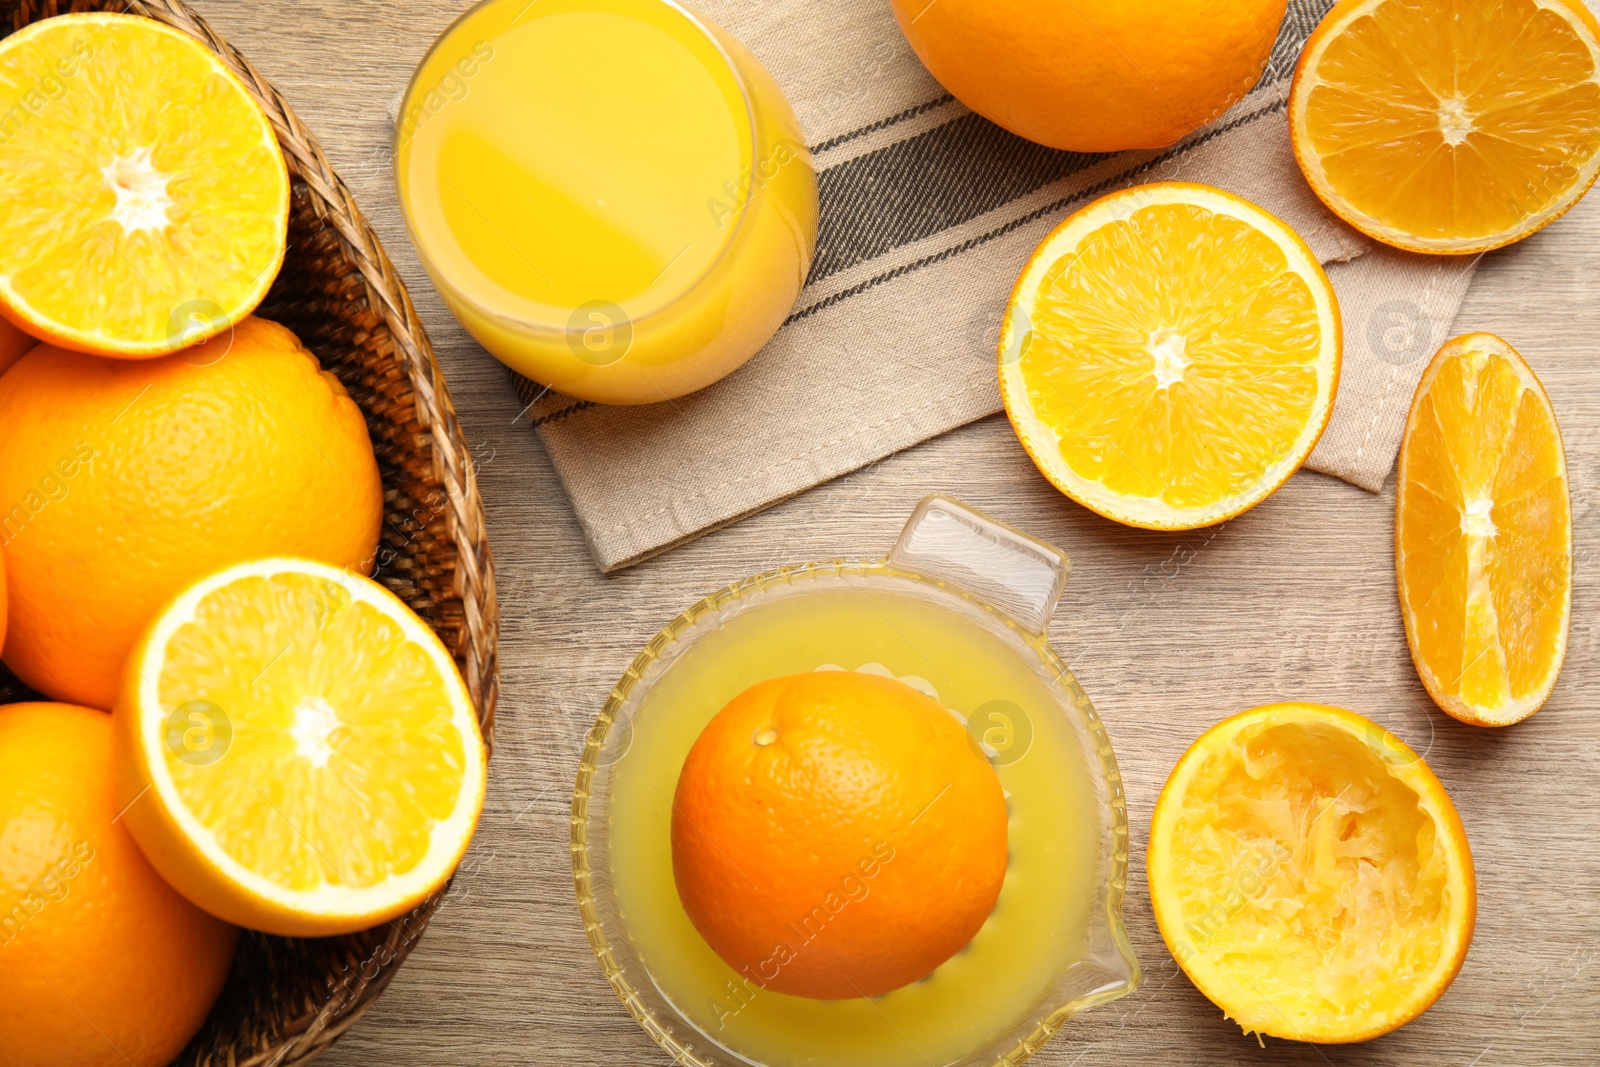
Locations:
(1310, 874)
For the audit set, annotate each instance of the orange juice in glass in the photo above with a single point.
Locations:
(612, 196)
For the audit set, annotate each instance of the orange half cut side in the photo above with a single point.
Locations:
(1170, 354)
(297, 751)
(1449, 126)
(1311, 875)
(132, 223)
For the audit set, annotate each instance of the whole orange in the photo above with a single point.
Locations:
(1095, 75)
(102, 964)
(836, 835)
(122, 482)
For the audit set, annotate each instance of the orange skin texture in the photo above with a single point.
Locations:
(126, 955)
(122, 482)
(1095, 75)
(856, 851)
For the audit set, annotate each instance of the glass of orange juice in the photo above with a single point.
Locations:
(612, 196)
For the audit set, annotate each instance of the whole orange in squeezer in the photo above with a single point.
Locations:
(837, 835)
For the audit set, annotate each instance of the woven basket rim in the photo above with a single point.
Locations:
(310, 1033)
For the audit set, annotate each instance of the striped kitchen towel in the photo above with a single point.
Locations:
(928, 214)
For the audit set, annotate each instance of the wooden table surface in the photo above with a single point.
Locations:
(1168, 633)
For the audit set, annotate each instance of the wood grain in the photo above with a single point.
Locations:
(1168, 634)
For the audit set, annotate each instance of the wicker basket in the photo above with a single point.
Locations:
(288, 999)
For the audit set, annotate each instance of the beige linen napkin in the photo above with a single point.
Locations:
(928, 214)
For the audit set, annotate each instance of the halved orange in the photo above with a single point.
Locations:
(296, 751)
(1311, 875)
(145, 204)
(1170, 355)
(1449, 126)
(1483, 534)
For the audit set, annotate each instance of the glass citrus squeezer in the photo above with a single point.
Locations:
(958, 609)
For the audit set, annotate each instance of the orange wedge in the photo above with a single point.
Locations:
(296, 751)
(1483, 534)
(145, 203)
(1170, 354)
(1450, 126)
(1310, 874)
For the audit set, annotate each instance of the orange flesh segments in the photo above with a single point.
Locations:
(1449, 126)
